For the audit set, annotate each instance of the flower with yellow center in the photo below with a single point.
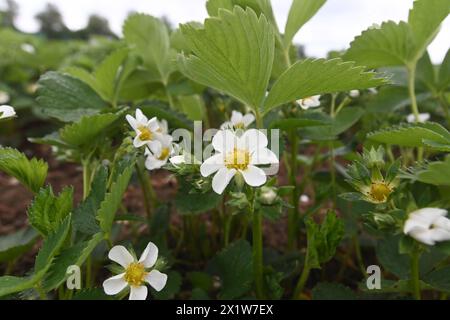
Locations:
(309, 102)
(238, 121)
(158, 152)
(146, 130)
(136, 273)
(238, 155)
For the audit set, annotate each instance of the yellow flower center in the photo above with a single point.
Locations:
(239, 125)
(379, 191)
(145, 134)
(237, 159)
(135, 274)
(164, 154)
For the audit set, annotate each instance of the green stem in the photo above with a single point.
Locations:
(257, 248)
(415, 285)
(293, 213)
(41, 291)
(147, 189)
(445, 106)
(412, 96)
(302, 281)
(359, 256)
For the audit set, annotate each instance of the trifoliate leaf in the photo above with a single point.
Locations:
(67, 98)
(48, 210)
(300, 13)
(32, 173)
(233, 53)
(312, 77)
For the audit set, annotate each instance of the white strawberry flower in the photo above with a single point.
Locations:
(146, 130)
(136, 272)
(423, 117)
(7, 112)
(158, 152)
(238, 121)
(4, 97)
(309, 102)
(428, 225)
(238, 155)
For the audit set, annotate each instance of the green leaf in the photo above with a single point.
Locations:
(235, 268)
(52, 245)
(402, 43)
(425, 19)
(50, 248)
(388, 254)
(319, 76)
(47, 210)
(150, 38)
(66, 98)
(14, 245)
(295, 123)
(193, 107)
(104, 80)
(113, 199)
(84, 217)
(189, 201)
(87, 130)
(300, 13)
(444, 73)
(332, 291)
(439, 279)
(233, 53)
(389, 45)
(323, 239)
(436, 173)
(91, 294)
(74, 255)
(32, 173)
(413, 135)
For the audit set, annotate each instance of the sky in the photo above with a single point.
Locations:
(333, 28)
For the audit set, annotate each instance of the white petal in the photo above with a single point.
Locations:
(442, 222)
(423, 236)
(137, 142)
(132, 121)
(252, 140)
(140, 117)
(414, 225)
(226, 125)
(176, 160)
(263, 156)
(152, 163)
(155, 147)
(221, 179)
(149, 256)
(248, 119)
(7, 112)
(138, 293)
(153, 124)
(120, 255)
(224, 140)
(236, 117)
(114, 284)
(438, 234)
(156, 279)
(212, 164)
(254, 176)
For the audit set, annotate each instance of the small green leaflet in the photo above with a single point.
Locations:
(32, 173)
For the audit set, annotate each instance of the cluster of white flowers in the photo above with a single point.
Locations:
(7, 112)
(428, 225)
(153, 135)
(136, 273)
